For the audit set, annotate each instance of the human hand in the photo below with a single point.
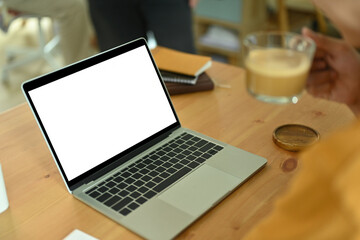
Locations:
(193, 3)
(335, 71)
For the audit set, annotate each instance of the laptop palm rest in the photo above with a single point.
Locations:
(200, 190)
(186, 200)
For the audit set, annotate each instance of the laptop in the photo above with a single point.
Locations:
(115, 137)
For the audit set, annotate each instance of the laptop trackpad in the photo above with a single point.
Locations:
(200, 190)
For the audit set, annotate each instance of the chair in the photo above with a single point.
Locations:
(305, 6)
(17, 57)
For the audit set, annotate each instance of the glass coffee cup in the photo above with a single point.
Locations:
(277, 65)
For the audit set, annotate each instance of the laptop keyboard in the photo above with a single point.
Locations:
(127, 189)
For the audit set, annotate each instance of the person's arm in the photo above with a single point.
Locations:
(345, 15)
(193, 3)
(335, 72)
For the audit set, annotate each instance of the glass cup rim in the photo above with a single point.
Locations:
(246, 42)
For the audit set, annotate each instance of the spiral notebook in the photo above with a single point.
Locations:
(204, 83)
(178, 78)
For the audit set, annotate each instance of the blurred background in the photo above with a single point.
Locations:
(29, 43)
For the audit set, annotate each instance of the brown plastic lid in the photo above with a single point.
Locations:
(295, 137)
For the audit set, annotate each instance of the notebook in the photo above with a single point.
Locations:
(120, 148)
(180, 62)
(178, 78)
(204, 83)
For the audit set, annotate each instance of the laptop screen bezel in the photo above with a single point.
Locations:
(121, 157)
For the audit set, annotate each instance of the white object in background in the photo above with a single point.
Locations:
(151, 40)
(221, 37)
(79, 235)
(4, 203)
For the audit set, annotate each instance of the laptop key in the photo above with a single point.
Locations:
(193, 164)
(130, 180)
(114, 190)
(122, 204)
(95, 194)
(186, 136)
(171, 170)
(108, 179)
(133, 206)
(161, 153)
(160, 169)
(212, 152)
(184, 161)
(154, 157)
(200, 143)
(167, 165)
(135, 195)
(112, 201)
(180, 156)
(122, 185)
(147, 161)
(139, 183)
(197, 153)
(171, 154)
(207, 147)
(149, 194)
(137, 175)
(178, 150)
(206, 155)
(164, 175)
(144, 171)
(140, 165)
(167, 149)
(143, 189)
(151, 166)
(123, 193)
(133, 170)
(218, 148)
(157, 179)
(125, 211)
(167, 182)
(158, 162)
(200, 160)
(153, 173)
(192, 148)
(100, 184)
(141, 200)
(186, 152)
(174, 160)
(150, 184)
(110, 184)
(145, 178)
(125, 174)
(178, 166)
(131, 188)
(118, 179)
(89, 191)
(103, 189)
(165, 158)
(104, 197)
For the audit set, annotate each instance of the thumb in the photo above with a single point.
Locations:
(323, 42)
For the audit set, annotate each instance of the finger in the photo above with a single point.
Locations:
(320, 77)
(323, 43)
(319, 53)
(319, 65)
(321, 90)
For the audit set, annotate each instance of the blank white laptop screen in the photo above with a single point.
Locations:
(94, 114)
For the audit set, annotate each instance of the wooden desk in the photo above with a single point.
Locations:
(41, 207)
